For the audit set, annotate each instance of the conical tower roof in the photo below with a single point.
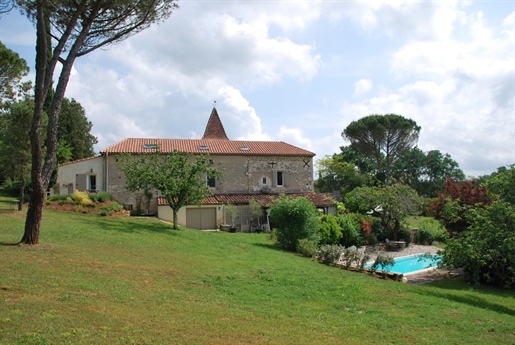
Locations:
(214, 128)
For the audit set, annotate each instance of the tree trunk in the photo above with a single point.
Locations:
(174, 219)
(33, 220)
(22, 191)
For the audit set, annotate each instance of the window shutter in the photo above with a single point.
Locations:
(274, 178)
(286, 179)
(81, 181)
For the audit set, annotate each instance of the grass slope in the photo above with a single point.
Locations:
(97, 280)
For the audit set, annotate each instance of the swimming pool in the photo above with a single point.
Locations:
(414, 263)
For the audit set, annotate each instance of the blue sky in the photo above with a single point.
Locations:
(301, 71)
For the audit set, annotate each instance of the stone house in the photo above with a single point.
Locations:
(259, 170)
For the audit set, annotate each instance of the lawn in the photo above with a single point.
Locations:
(95, 280)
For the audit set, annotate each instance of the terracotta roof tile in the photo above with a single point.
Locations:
(318, 199)
(214, 128)
(210, 146)
(79, 160)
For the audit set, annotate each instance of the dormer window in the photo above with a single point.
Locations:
(244, 148)
(150, 146)
(203, 147)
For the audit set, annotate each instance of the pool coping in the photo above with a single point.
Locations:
(424, 270)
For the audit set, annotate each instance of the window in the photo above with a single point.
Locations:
(279, 178)
(264, 180)
(92, 182)
(203, 147)
(150, 146)
(211, 182)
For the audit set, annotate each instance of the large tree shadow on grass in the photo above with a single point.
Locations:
(474, 301)
(132, 226)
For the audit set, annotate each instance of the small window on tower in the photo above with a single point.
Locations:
(264, 180)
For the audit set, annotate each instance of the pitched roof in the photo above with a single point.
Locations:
(317, 199)
(210, 146)
(214, 128)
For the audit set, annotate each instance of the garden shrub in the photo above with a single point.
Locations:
(100, 197)
(330, 253)
(111, 208)
(405, 235)
(350, 255)
(379, 230)
(307, 248)
(351, 229)
(430, 231)
(383, 262)
(294, 219)
(486, 252)
(58, 197)
(330, 231)
(81, 198)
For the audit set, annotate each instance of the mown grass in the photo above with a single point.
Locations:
(96, 280)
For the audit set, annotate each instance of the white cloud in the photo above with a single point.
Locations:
(362, 86)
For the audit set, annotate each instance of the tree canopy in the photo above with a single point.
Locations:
(179, 177)
(426, 171)
(12, 69)
(75, 130)
(379, 136)
(66, 30)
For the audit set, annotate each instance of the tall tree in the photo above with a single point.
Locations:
(335, 174)
(15, 144)
(75, 129)
(178, 176)
(502, 183)
(381, 136)
(12, 69)
(391, 203)
(426, 172)
(72, 29)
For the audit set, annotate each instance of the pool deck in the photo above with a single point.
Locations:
(414, 249)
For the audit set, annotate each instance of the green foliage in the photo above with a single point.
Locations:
(351, 229)
(12, 69)
(74, 132)
(230, 213)
(307, 247)
(430, 231)
(330, 253)
(426, 172)
(180, 177)
(100, 197)
(486, 252)
(294, 219)
(502, 183)
(336, 174)
(392, 204)
(110, 209)
(58, 197)
(330, 231)
(383, 262)
(352, 255)
(405, 235)
(256, 210)
(382, 137)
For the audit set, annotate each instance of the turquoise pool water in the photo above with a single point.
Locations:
(410, 264)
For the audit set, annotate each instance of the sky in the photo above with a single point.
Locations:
(301, 71)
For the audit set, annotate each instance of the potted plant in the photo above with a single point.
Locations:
(256, 211)
(230, 212)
